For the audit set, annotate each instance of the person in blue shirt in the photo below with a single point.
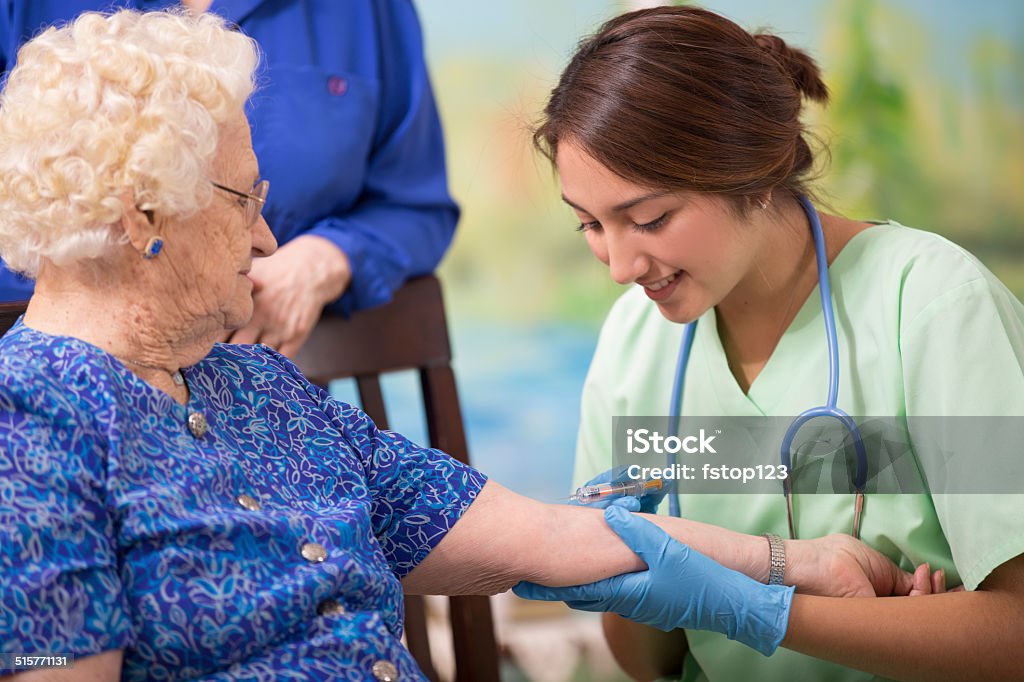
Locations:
(346, 129)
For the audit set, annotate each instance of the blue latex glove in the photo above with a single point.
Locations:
(681, 588)
(647, 504)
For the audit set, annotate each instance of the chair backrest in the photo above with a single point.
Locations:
(9, 314)
(410, 332)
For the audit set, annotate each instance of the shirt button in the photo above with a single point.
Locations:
(248, 502)
(197, 424)
(313, 552)
(336, 85)
(385, 671)
(329, 607)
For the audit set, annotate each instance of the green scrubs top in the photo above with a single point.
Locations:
(924, 329)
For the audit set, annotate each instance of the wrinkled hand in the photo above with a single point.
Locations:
(681, 588)
(292, 286)
(841, 566)
(647, 504)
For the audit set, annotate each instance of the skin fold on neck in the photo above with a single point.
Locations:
(117, 315)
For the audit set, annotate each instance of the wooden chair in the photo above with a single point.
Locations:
(410, 332)
(9, 314)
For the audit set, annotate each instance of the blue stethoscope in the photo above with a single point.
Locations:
(829, 409)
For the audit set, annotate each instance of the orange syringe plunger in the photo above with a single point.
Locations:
(589, 494)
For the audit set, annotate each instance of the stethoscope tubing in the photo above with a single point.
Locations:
(829, 409)
(676, 407)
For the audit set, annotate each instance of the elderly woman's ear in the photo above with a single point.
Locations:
(140, 226)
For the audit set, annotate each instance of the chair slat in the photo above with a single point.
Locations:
(416, 637)
(372, 399)
(476, 650)
(444, 414)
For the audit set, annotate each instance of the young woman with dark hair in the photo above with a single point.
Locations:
(678, 140)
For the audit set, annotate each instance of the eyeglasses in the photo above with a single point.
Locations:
(252, 201)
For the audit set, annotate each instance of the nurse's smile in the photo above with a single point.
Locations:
(661, 289)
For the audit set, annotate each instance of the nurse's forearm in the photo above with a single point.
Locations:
(955, 636)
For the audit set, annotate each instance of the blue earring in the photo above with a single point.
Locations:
(153, 247)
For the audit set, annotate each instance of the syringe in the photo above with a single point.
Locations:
(589, 494)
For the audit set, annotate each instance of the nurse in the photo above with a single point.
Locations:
(678, 141)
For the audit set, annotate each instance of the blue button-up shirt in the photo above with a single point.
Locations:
(120, 527)
(343, 122)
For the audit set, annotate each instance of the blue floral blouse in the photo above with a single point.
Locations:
(269, 547)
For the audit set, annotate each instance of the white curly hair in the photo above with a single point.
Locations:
(106, 104)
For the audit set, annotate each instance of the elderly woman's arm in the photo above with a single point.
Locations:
(504, 538)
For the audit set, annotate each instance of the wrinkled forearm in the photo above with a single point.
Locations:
(504, 538)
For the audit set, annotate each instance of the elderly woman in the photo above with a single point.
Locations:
(175, 508)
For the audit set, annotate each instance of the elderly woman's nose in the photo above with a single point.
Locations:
(263, 241)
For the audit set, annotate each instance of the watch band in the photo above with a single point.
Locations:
(777, 569)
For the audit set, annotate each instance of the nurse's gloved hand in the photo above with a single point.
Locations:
(648, 504)
(681, 588)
